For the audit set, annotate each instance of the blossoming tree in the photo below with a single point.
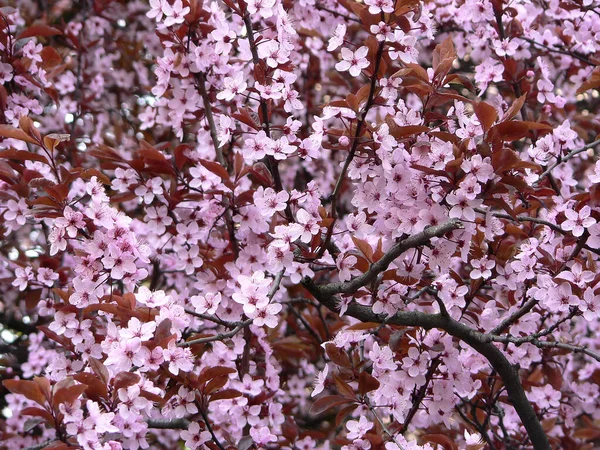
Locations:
(299, 224)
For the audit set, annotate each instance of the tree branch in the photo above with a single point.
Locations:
(567, 157)
(380, 266)
(217, 337)
(176, 424)
(326, 295)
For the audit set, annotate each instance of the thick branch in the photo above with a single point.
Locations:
(528, 306)
(380, 266)
(176, 424)
(326, 295)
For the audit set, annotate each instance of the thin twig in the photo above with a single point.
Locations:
(545, 344)
(567, 157)
(217, 337)
(572, 54)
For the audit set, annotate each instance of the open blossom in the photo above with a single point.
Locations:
(22, 277)
(71, 221)
(344, 266)
(320, 380)
(482, 268)
(577, 222)
(174, 13)
(269, 202)
(233, 86)
(353, 62)
(16, 212)
(377, 6)
(178, 358)
(194, 436)
(266, 314)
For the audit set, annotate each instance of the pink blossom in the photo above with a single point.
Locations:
(178, 358)
(577, 222)
(354, 62)
(194, 437)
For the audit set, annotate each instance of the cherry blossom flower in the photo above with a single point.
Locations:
(590, 305)
(358, 428)
(344, 265)
(265, 314)
(308, 225)
(577, 222)
(175, 13)
(269, 202)
(16, 213)
(194, 437)
(233, 86)
(71, 221)
(482, 268)
(320, 380)
(262, 435)
(377, 6)
(178, 358)
(22, 277)
(354, 62)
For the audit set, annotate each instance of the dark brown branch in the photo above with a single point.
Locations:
(380, 266)
(420, 395)
(176, 424)
(217, 337)
(528, 306)
(481, 342)
(210, 118)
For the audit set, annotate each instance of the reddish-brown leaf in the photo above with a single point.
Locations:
(38, 30)
(125, 379)
(96, 389)
(213, 372)
(215, 384)
(364, 247)
(225, 394)
(514, 108)
(367, 383)
(22, 155)
(29, 389)
(68, 394)
(443, 57)
(329, 401)
(37, 412)
(486, 114)
(343, 388)
(337, 355)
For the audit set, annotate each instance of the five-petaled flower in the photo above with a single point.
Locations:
(353, 62)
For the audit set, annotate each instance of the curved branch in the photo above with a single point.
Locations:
(416, 240)
(481, 342)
